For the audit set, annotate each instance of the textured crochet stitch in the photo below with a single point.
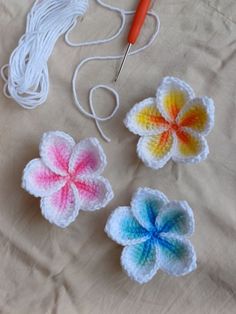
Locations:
(172, 125)
(67, 177)
(155, 234)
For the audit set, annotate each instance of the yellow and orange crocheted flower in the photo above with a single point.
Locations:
(172, 125)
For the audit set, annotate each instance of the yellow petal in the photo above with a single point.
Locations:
(160, 144)
(188, 144)
(156, 150)
(198, 115)
(145, 118)
(149, 118)
(172, 96)
(173, 102)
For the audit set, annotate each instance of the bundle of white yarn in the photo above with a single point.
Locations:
(27, 81)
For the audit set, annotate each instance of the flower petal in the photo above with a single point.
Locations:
(172, 95)
(87, 158)
(140, 261)
(191, 147)
(198, 115)
(39, 180)
(55, 151)
(62, 207)
(176, 217)
(177, 255)
(145, 206)
(145, 119)
(123, 228)
(94, 193)
(156, 150)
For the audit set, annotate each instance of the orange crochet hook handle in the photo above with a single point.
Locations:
(138, 21)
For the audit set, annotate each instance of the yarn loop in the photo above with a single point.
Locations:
(122, 13)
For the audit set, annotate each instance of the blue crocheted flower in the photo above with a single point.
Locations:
(154, 232)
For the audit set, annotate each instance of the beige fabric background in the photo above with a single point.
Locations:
(47, 270)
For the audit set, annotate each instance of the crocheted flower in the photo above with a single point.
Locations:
(172, 125)
(67, 177)
(154, 232)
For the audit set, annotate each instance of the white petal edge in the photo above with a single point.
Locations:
(94, 144)
(192, 261)
(164, 86)
(32, 190)
(46, 136)
(108, 197)
(208, 103)
(62, 223)
(182, 205)
(139, 278)
(129, 123)
(194, 159)
(141, 194)
(151, 161)
(113, 223)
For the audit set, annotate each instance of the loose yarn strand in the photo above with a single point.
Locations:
(92, 114)
(28, 79)
(100, 41)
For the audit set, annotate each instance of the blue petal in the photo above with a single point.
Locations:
(177, 255)
(177, 218)
(145, 206)
(140, 261)
(123, 228)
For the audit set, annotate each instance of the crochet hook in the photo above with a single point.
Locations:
(136, 27)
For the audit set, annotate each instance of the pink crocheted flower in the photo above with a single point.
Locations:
(67, 177)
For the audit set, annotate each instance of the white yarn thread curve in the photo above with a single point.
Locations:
(93, 114)
(28, 81)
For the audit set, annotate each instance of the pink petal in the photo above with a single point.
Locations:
(87, 158)
(55, 150)
(94, 193)
(61, 208)
(39, 180)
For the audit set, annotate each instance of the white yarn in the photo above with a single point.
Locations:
(93, 114)
(28, 81)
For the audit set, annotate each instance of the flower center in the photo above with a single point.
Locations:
(174, 126)
(70, 177)
(155, 234)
